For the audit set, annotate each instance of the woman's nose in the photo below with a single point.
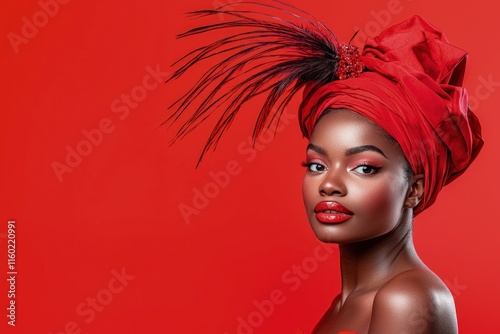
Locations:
(333, 185)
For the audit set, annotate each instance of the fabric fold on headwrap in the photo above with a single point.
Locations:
(411, 88)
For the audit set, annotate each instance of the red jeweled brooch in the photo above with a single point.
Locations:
(350, 64)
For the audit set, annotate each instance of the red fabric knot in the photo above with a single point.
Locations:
(350, 64)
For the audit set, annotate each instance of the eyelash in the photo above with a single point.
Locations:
(305, 164)
(375, 169)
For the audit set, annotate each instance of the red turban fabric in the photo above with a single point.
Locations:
(411, 88)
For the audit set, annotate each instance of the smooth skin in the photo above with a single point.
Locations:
(386, 288)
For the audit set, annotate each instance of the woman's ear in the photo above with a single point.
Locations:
(415, 191)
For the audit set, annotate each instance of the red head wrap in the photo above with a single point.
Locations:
(411, 87)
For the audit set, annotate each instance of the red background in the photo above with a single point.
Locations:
(118, 209)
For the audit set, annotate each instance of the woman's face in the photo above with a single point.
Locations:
(354, 188)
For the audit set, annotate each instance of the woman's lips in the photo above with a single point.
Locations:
(331, 212)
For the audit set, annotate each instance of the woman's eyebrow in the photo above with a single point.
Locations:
(364, 148)
(317, 149)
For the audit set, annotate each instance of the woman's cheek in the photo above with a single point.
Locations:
(383, 198)
(377, 198)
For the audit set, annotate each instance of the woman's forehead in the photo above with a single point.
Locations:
(335, 120)
(343, 129)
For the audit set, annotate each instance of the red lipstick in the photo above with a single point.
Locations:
(331, 212)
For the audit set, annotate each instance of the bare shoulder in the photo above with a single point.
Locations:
(414, 301)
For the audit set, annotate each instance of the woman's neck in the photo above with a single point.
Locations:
(367, 265)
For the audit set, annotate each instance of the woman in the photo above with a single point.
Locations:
(387, 129)
(359, 193)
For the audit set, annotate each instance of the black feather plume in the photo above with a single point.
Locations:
(267, 49)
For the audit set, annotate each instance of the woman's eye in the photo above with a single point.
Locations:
(314, 167)
(366, 169)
